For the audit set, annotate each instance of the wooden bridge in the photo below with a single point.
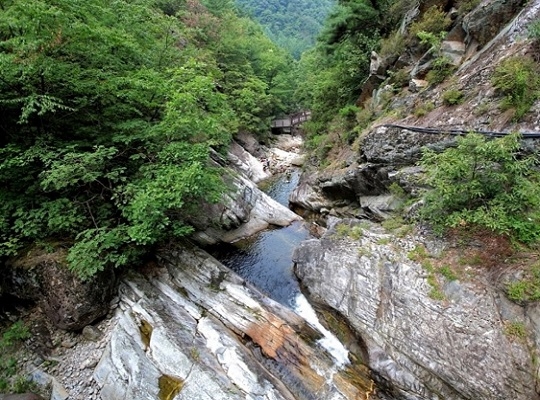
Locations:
(290, 123)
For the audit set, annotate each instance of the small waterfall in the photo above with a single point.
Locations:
(266, 261)
(329, 342)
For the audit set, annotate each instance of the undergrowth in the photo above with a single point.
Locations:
(518, 79)
(10, 342)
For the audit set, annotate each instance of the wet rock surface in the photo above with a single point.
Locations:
(246, 210)
(419, 347)
(192, 329)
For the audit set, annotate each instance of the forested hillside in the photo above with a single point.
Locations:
(393, 60)
(110, 111)
(292, 24)
(334, 71)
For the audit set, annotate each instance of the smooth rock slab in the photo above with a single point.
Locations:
(203, 327)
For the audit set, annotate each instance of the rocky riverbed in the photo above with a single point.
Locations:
(186, 327)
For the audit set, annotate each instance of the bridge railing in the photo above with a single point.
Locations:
(292, 120)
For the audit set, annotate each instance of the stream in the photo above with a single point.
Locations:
(265, 260)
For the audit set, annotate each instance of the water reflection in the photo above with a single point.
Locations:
(265, 261)
(280, 187)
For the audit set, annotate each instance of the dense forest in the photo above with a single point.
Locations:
(110, 112)
(292, 24)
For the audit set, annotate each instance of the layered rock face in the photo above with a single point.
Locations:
(419, 347)
(389, 154)
(245, 209)
(198, 331)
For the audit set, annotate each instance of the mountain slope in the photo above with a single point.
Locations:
(292, 24)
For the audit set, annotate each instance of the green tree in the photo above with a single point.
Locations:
(485, 183)
(292, 24)
(111, 111)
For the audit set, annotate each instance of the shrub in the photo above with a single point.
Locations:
(484, 183)
(392, 46)
(515, 329)
(400, 78)
(517, 78)
(447, 272)
(465, 6)
(424, 109)
(440, 69)
(433, 21)
(527, 289)
(430, 39)
(9, 342)
(534, 30)
(452, 97)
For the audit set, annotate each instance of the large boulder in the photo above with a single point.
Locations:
(387, 155)
(68, 302)
(250, 166)
(397, 146)
(243, 211)
(419, 345)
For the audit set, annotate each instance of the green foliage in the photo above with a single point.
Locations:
(392, 46)
(518, 79)
(432, 40)
(111, 112)
(447, 272)
(452, 97)
(441, 68)
(332, 74)
(400, 78)
(419, 253)
(534, 30)
(465, 6)
(354, 232)
(484, 183)
(397, 226)
(14, 335)
(292, 24)
(424, 109)
(515, 329)
(384, 241)
(527, 289)
(434, 20)
(395, 189)
(11, 339)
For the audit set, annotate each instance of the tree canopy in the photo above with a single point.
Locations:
(110, 113)
(292, 24)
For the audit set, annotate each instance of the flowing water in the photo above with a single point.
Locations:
(265, 260)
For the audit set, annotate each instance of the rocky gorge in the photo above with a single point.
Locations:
(420, 319)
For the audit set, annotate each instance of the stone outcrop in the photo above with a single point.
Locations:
(242, 212)
(247, 164)
(484, 22)
(419, 347)
(387, 154)
(245, 210)
(67, 301)
(195, 330)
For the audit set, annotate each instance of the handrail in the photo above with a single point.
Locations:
(458, 132)
(291, 120)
